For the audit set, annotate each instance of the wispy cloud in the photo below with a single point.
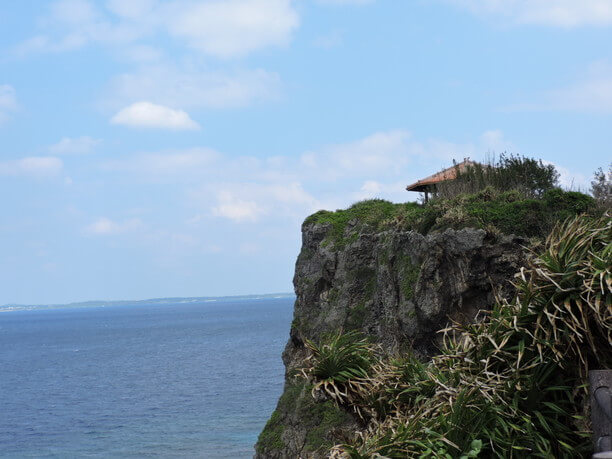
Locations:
(591, 94)
(8, 101)
(75, 145)
(556, 13)
(229, 28)
(106, 227)
(153, 116)
(244, 202)
(569, 179)
(185, 165)
(192, 87)
(248, 189)
(344, 2)
(33, 166)
(235, 208)
(221, 28)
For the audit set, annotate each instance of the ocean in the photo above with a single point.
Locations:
(180, 379)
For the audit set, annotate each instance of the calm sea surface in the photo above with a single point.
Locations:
(177, 380)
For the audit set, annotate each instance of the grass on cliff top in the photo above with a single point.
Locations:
(372, 212)
(507, 212)
(510, 386)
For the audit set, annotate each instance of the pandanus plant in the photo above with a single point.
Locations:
(510, 385)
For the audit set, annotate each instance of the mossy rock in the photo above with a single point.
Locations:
(507, 211)
(409, 274)
(373, 213)
(271, 437)
(356, 317)
(320, 420)
(364, 278)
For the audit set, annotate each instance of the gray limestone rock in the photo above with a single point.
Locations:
(398, 287)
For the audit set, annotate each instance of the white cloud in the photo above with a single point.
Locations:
(391, 152)
(570, 180)
(141, 53)
(189, 87)
(494, 141)
(560, 13)
(592, 94)
(185, 164)
(248, 202)
(149, 115)
(291, 187)
(344, 2)
(236, 209)
(105, 226)
(229, 28)
(74, 24)
(34, 166)
(8, 101)
(132, 9)
(386, 150)
(222, 28)
(74, 145)
(393, 191)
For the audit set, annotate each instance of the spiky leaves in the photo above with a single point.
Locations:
(339, 363)
(511, 385)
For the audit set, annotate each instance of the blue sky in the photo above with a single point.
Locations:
(172, 148)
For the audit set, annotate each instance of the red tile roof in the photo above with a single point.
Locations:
(442, 176)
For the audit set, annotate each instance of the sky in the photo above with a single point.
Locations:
(173, 148)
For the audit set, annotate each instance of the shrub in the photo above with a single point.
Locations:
(372, 213)
(512, 385)
(340, 360)
(509, 212)
(601, 187)
(530, 177)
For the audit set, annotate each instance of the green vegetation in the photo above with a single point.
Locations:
(338, 360)
(356, 316)
(507, 212)
(513, 385)
(529, 177)
(409, 275)
(601, 188)
(514, 195)
(365, 277)
(320, 419)
(327, 416)
(371, 213)
(333, 296)
(271, 436)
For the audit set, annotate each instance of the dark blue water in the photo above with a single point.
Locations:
(184, 380)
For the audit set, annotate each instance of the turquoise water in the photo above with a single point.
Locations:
(174, 380)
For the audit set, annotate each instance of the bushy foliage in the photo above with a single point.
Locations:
(371, 213)
(530, 177)
(510, 385)
(507, 212)
(601, 187)
(338, 360)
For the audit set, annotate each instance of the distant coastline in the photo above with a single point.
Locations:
(151, 301)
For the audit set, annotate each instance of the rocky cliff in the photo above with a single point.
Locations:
(398, 287)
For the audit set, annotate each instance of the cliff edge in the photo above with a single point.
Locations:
(399, 288)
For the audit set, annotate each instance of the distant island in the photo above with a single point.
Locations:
(152, 301)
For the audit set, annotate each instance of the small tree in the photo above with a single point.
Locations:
(601, 187)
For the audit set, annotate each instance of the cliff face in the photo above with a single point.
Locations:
(398, 287)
